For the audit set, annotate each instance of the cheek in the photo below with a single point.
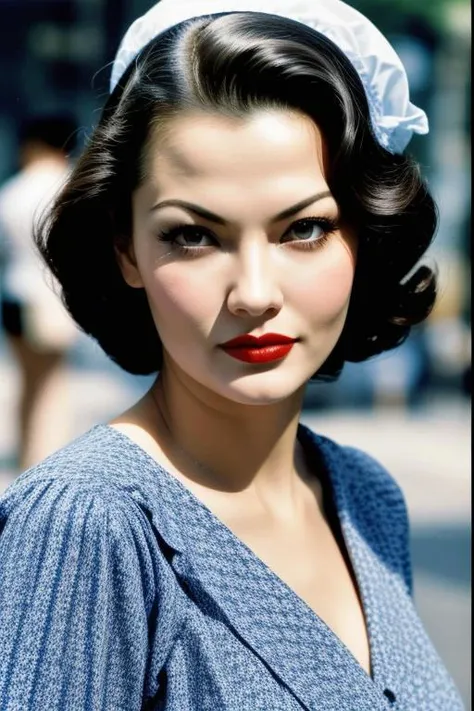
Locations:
(179, 297)
(324, 294)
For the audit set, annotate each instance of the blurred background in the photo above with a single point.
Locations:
(410, 408)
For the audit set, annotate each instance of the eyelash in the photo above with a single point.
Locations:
(327, 224)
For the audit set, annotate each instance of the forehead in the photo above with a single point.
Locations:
(267, 145)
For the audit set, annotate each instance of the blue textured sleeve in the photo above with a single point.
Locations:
(76, 586)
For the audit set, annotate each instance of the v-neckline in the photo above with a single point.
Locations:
(331, 499)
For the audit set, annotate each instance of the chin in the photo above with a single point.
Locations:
(264, 385)
(263, 389)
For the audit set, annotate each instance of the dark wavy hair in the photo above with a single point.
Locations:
(234, 64)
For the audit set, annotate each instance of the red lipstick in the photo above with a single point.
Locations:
(259, 349)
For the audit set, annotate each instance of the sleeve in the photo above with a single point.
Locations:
(76, 585)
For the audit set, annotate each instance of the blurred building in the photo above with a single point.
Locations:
(54, 55)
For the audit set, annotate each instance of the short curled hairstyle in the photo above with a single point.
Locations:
(234, 64)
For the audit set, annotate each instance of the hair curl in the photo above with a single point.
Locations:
(234, 64)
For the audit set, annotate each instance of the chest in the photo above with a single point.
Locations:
(316, 567)
(247, 641)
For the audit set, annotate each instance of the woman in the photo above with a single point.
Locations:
(38, 330)
(242, 219)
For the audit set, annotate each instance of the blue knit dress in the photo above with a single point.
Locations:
(121, 591)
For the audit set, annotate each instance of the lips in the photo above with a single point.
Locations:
(267, 339)
(259, 349)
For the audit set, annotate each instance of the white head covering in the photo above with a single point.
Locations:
(395, 119)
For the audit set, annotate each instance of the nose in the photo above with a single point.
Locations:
(255, 290)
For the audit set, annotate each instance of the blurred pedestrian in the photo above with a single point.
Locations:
(400, 378)
(38, 328)
(243, 219)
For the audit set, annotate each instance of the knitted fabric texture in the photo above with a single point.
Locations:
(121, 591)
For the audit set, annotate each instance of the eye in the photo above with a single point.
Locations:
(310, 230)
(188, 237)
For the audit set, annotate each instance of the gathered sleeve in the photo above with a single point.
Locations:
(78, 589)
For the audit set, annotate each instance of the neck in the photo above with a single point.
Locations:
(233, 447)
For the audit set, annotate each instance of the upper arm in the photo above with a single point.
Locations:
(76, 585)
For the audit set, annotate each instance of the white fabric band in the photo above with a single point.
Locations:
(395, 119)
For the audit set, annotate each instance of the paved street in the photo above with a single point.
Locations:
(428, 453)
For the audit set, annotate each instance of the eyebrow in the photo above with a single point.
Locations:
(212, 217)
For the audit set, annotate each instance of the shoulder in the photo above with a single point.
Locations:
(14, 185)
(84, 509)
(369, 479)
(370, 495)
(100, 459)
(106, 480)
(87, 485)
(358, 472)
(31, 189)
(378, 503)
(84, 577)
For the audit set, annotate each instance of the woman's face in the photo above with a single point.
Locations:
(235, 232)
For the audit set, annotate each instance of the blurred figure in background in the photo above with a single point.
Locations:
(402, 379)
(36, 325)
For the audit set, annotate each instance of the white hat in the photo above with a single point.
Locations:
(395, 119)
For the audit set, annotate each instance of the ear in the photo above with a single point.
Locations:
(128, 266)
